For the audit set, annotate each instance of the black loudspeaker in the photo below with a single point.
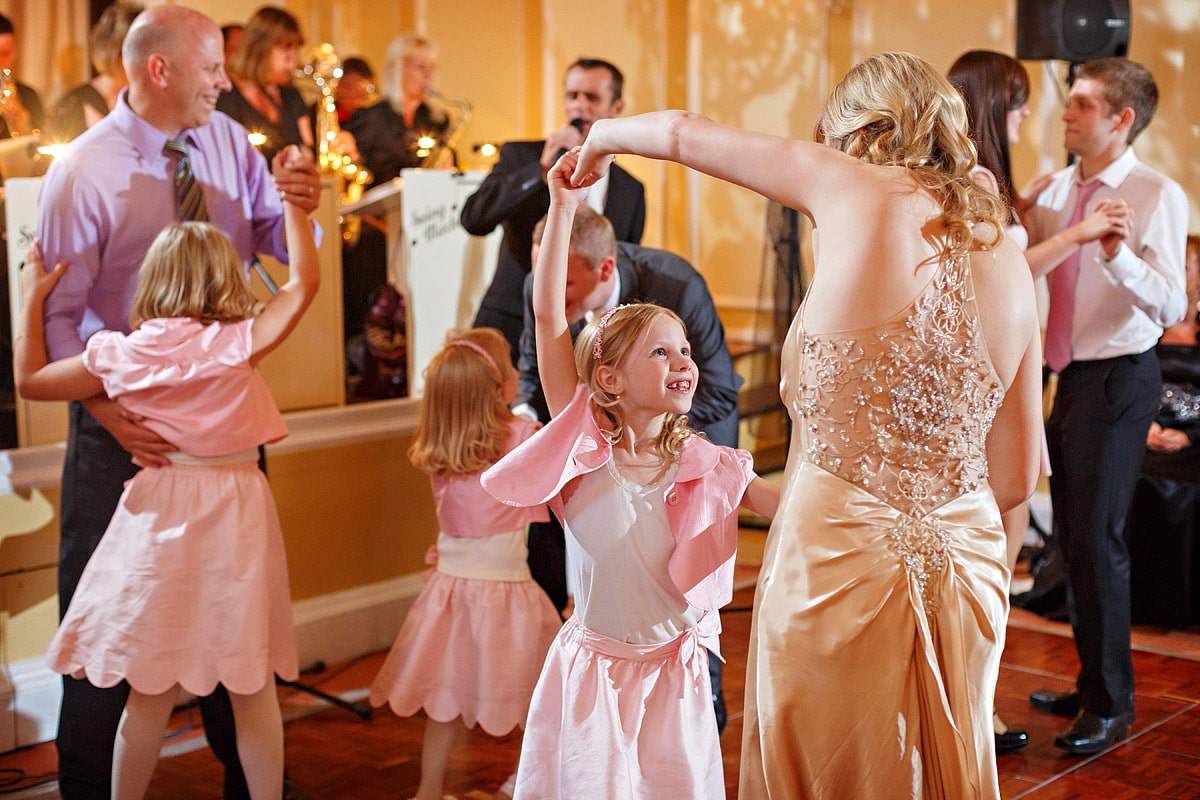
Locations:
(1072, 30)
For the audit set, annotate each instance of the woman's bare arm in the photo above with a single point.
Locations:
(795, 173)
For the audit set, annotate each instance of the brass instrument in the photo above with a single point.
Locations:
(435, 154)
(20, 154)
(323, 71)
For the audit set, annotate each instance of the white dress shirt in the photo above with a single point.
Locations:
(597, 194)
(1122, 304)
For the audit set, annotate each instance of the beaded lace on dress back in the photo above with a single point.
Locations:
(901, 409)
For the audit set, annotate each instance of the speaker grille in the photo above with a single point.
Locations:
(1072, 30)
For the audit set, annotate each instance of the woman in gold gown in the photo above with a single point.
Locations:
(913, 377)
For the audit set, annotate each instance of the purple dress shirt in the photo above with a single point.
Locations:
(109, 194)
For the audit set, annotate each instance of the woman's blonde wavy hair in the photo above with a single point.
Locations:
(894, 109)
(192, 270)
(463, 423)
(621, 331)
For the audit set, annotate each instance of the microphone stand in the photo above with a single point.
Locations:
(360, 709)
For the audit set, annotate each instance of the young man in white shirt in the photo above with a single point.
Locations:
(1115, 284)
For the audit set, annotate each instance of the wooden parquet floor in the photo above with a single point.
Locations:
(334, 755)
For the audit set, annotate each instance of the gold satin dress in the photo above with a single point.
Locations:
(880, 609)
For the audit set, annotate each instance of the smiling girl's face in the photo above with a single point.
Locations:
(658, 373)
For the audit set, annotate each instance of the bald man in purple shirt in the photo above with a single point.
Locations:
(104, 200)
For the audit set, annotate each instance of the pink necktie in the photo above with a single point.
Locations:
(1062, 291)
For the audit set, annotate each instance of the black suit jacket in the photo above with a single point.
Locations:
(657, 276)
(515, 196)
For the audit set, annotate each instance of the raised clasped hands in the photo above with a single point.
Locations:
(297, 178)
(593, 163)
(1120, 215)
(564, 138)
(563, 191)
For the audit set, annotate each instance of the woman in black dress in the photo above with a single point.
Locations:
(83, 106)
(263, 98)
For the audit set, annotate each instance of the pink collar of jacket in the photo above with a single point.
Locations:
(702, 503)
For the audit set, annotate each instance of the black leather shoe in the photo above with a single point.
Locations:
(1064, 704)
(1011, 741)
(1090, 733)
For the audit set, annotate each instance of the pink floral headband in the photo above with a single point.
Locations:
(598, 342)
(472, 346)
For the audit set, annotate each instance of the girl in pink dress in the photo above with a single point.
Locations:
(188, 587)
(623, 708)
(470, 649)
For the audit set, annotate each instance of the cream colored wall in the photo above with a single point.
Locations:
(28, 588)
(352, 515)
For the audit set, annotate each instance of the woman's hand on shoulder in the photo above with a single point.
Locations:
(36, 281)
(1025, 199)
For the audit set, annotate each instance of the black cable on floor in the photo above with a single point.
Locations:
(15, 780)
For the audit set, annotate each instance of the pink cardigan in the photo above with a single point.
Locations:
(702, 503)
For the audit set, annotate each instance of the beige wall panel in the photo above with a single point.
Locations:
(352, 515)
(765, 71)
(308, 369)
(632, 35)
(29, 614)
(936, 30)
(1165, 36)
(485, 59)
(29, 590)
(223, 11)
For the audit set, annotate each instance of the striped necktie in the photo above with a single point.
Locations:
(188, 195)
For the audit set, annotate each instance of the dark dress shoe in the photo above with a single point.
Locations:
(1090, 733)
(1011, 741)
(291, 792)
(1064, 704)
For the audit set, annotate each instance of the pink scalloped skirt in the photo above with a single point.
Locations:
(189, 585)
(469, 648)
